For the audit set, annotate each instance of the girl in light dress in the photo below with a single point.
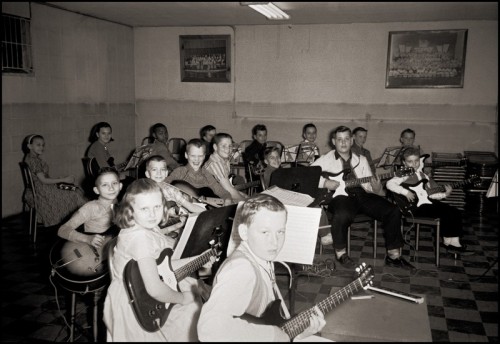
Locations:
(139, 215)
(53, 204)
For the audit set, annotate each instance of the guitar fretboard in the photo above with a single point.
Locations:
(193, 265)
(300, 322)
(453, 186)
(358, 181)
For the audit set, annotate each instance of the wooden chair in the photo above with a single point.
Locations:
(91, 167)
(276, 144)
(32, 205)
(147, 140)
(177, 147)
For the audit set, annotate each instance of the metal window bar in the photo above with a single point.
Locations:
(16, 45)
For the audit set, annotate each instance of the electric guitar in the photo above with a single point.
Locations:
(202, 195)
(150, 313)
(339, 177)
(422, 195)
(296, 325)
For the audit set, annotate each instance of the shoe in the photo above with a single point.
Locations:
(327, 240)
(462, 250)
(346, 261)
(399, 262)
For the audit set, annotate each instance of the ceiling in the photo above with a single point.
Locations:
(136, 14)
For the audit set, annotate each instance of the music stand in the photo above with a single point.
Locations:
(307, 150)
(390, 156)
(210, 224)
(299, 179)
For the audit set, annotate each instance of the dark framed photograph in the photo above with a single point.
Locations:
(428, 58)
(205, 58)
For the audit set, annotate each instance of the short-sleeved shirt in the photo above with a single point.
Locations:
(218, 167)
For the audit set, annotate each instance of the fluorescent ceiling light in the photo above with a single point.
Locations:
(268, 9)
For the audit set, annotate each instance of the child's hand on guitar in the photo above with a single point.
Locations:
(448, 189)
(331, 184)
(96, 240)
(410, 196)
(316, 324)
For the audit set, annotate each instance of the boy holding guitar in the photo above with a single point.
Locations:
(245, 283)
(429, 206)
(193, 173)
(363, 198)
(218, 165)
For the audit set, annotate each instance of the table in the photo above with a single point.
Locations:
(379, 319)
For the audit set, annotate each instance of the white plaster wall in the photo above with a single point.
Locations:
(287, 76)
(84, 74)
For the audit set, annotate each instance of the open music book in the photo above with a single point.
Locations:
(300, 239)
(288, 197)
(140, 154)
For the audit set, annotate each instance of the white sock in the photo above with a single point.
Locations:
(340, 253)
(393, 254)
(454, 241)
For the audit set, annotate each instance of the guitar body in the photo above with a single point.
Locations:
(203, 195)
(80, 267)
(271, 316)
(150, 313)
(147, 309)
(338, 177)
(419, 190)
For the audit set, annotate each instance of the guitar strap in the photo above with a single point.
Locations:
(277, 292)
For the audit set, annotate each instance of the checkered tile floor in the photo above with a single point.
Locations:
(461, 295)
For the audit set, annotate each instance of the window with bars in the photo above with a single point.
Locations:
(16, 45)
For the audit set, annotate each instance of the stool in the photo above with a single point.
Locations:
(358, 219)
(424, 221)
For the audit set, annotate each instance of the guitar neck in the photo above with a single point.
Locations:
(454, 185)
(358, 181)
(246, 185)
(192, 266)
(300, 322)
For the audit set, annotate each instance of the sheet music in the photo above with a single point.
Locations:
(300, 239)
(288, 197)
(185, 234)
(138, 157)
(289, 153)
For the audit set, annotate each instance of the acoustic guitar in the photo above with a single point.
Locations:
(297, 324)
(202, 195)
(80, 267)
(150, 313)
(422, 195)
(339, 177)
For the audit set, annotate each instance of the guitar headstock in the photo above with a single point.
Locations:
(404, 171)
(216, 248)
(463, 161)
(365, 274)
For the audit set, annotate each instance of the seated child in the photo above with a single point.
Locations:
(156, 169)
(245, 284)
(138, 215)
(97, 215)
(272, 162)
(451, 217)
(309, 151)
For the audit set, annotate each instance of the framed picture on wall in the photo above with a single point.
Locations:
(205, 58)
(423, 59)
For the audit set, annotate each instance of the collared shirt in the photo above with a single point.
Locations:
(218, 167)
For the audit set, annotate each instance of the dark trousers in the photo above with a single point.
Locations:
(345, 208)
(451, 217)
